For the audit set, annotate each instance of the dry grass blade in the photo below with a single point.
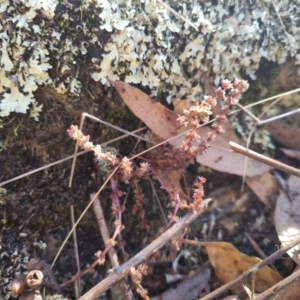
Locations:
(268, 99)
(269, 161)
(81, 216)
(177, 14)
(77, 281)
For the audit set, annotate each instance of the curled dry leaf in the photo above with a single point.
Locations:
(284, 134)
(263, 186)
(35, 264)
(162, 122)
(286, 291)
(228, 263)
(17, 286)
(34, 279)
(287, 216)
(190, 289)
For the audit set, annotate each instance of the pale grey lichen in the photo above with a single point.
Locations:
(146, 44)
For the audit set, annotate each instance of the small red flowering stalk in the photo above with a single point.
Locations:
(174, 158)
(194, 144)
(125, 172)
(84, 143)
(199, 114)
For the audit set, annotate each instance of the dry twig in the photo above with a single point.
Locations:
(273, 291)
(127, 293)
(120, 272)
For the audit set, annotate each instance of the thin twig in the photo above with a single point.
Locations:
(283, 27)
(117, 128)
(247, 273)
(267, 100)
(283, 284)
(81, 216)
(251, 134)
(290, 113)
(127, 293)
(258, 250)
(75, 152)
(264, 159)
(158, 201)
(120, 272)
(247, 111)
(77, 281)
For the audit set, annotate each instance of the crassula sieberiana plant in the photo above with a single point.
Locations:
(173, 158)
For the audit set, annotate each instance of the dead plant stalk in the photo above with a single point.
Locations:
(120, 272)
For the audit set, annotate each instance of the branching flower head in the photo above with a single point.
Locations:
(84, 143)
(142, 170)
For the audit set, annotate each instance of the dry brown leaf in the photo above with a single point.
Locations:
(263, 186)
(162, 121)
(284, 134)
(287, 216)
(229, 263)
(220, 157)
(288, 292)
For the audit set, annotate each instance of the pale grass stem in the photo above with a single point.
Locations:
(82, 214)
(264, 159)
